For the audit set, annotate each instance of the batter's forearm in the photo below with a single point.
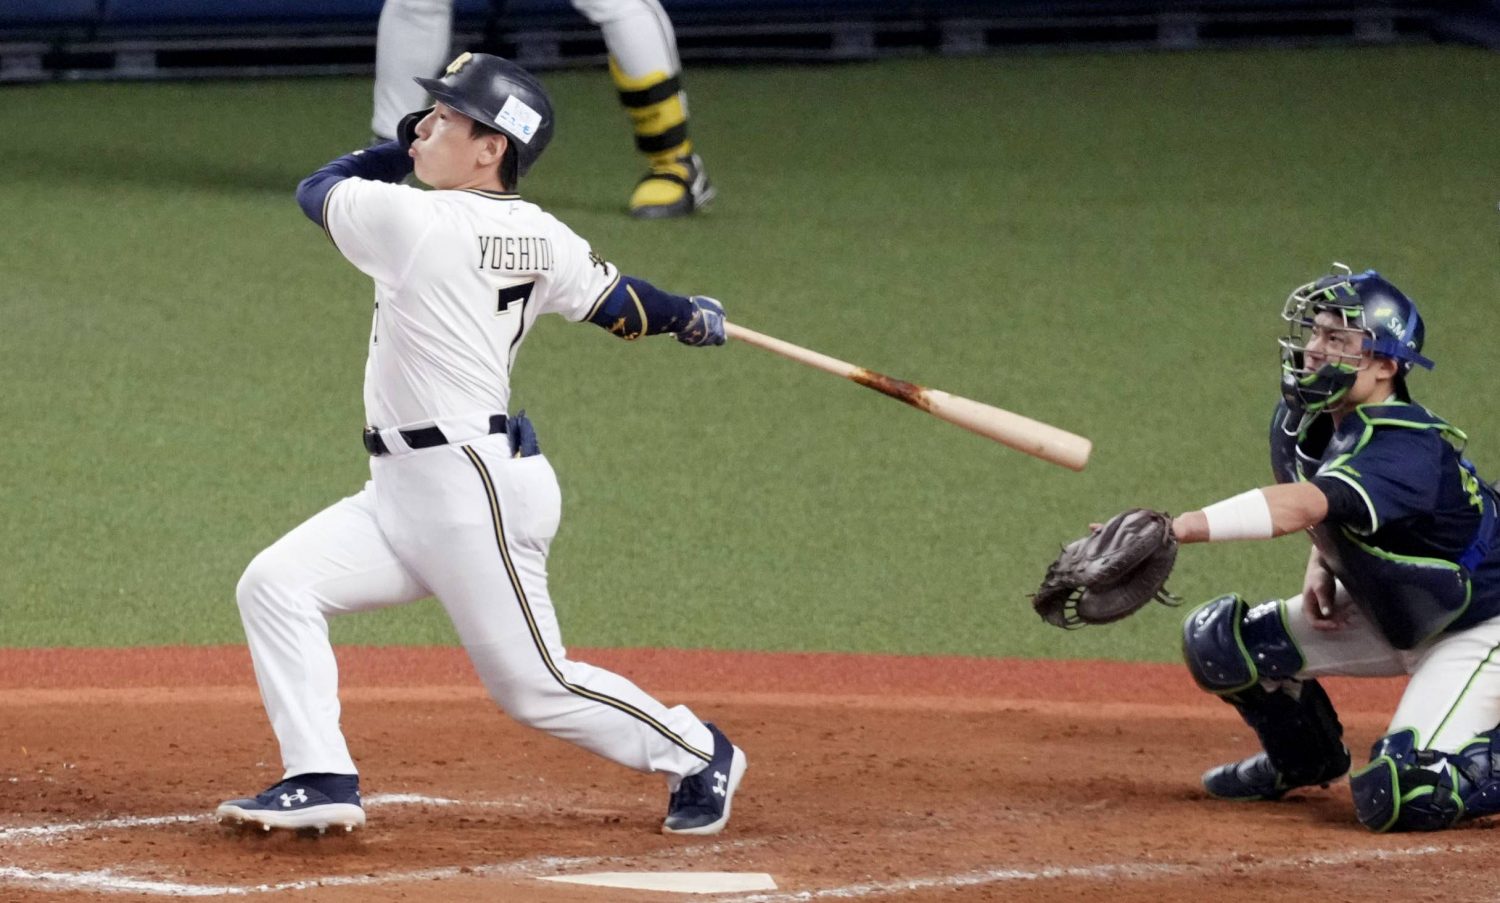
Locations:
(386, 162)
(635, 307)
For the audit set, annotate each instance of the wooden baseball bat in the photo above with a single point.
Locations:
(1020, 433)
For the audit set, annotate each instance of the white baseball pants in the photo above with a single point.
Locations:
(1454, 691)
(413, 39)
(470, 525)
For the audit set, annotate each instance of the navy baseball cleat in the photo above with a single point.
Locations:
(1256, 778)
(305, 802)
(700, 805)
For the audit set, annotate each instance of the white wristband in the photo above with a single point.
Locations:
(1246, 516)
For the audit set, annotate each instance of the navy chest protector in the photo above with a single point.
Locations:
(1409, 598)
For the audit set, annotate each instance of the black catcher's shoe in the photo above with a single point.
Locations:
(1256, 778)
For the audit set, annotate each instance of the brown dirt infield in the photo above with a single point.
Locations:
(871, 777)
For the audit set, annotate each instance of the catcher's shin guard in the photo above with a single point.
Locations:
(1246, 657)
(1409, 789)
(1302, 738)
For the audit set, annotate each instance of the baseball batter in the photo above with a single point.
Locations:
(1403, 576)
(461, 504)
(413, 36)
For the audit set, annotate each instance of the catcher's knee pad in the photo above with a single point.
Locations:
(1230, 647)
(1409, 789)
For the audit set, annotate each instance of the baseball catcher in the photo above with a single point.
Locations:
(1111, 573)
(1402, 578)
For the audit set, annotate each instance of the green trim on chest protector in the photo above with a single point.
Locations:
(1408, 598)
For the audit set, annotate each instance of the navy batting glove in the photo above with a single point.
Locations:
(406, 129)
(706, 326)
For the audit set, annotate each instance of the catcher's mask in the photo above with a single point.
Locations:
(1365, 303)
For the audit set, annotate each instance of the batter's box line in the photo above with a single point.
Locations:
(112, 881)
(18, 834)
(1132, 871)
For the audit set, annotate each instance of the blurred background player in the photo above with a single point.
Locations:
(413, 40)
(1403, 576)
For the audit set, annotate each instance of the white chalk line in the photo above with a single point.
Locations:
(1130, 871)
(44, 833)
(113, 881)
(110, 881)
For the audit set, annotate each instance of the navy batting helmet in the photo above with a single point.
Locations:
(501, 95)
(1366, 303)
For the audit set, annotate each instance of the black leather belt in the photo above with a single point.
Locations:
(426, 437)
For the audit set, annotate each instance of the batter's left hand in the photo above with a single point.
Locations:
(406, 129)
(706, 326)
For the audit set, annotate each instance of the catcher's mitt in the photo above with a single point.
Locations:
(1110, 573)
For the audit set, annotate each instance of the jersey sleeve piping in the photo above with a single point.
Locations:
(326, 230)
(1343, 477)
(602, 295)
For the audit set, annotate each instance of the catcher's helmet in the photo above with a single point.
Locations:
(1367, 303)
(501, 95)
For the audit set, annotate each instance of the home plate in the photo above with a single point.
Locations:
(677, 882)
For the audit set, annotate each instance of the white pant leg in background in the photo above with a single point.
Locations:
(414, 37)
(475, 525)
(337, 561)
(1454, 690)
(412, 40)
(637, 33)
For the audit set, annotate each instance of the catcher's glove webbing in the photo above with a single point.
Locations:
(1110, 573)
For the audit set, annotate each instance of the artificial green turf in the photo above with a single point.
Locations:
(1099, 241)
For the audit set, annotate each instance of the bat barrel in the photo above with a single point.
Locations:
(1040, 440)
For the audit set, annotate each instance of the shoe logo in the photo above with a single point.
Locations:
(721, 783)
(287, 799)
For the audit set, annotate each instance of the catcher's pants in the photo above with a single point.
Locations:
(1454, 690)
(470, 525)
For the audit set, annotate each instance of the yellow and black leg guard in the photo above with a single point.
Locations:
(676, 183)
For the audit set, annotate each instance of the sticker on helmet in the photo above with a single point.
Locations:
(518, 119)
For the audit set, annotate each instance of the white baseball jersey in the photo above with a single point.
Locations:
(460, 277)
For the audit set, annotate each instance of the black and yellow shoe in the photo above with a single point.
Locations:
(674, 187)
